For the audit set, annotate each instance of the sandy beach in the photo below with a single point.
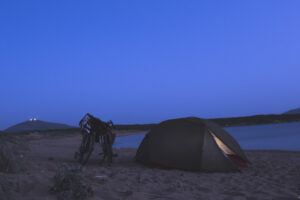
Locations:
(272, 175)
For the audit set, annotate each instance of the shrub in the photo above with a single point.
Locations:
(8, 163)
(68, 184)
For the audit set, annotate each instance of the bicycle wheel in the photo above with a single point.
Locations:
(86, 149)
(109, 151)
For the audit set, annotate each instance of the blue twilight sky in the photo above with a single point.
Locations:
(145, 61)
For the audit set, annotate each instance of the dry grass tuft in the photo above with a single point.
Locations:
(68, 184)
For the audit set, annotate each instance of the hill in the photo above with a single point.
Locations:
(256, 119)
(232, 121)
(37, 125)
(293, 111)
(225, 122)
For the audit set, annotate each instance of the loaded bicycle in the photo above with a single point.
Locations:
(95, 131)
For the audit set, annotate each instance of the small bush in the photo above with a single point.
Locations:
(68, 184)
(8, 163)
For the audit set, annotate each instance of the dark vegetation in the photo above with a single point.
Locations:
(8, 163)
(43, 133)
(6, 137)
(68, 184)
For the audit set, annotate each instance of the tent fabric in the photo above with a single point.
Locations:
(226, 138)
(213, 158)
(190, 144)
(221, 145)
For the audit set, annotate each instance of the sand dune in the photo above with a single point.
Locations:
(272, 175)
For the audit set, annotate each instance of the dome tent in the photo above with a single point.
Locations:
(191, 144)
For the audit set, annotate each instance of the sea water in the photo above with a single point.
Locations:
(283, 136)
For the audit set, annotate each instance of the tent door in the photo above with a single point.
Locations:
(221, 145)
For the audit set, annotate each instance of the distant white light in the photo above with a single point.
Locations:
(34, 119)
(30, 119)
